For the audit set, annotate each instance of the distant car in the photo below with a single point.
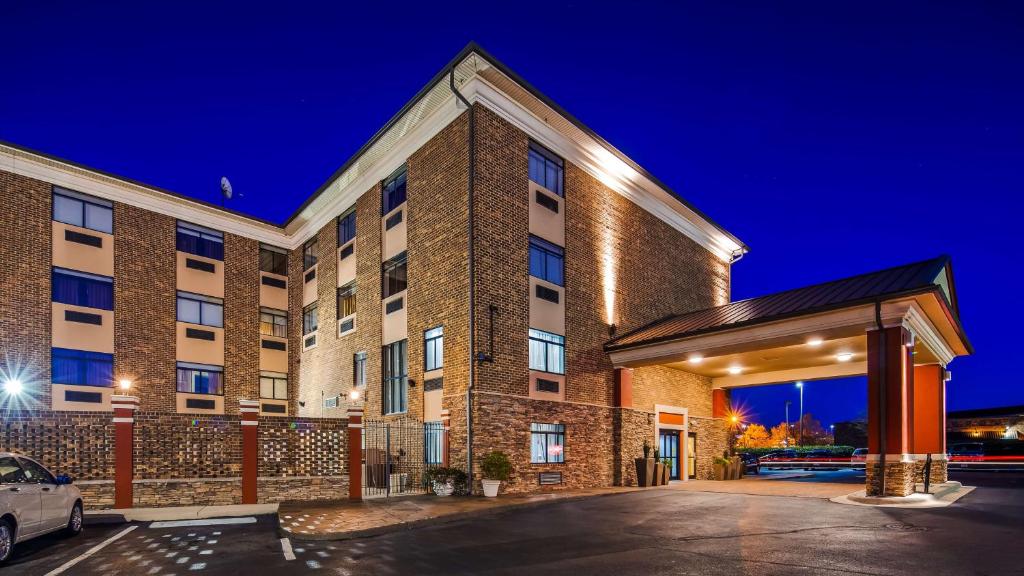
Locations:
(859, 456)
(34, 502)
(751, 463)
(777, 457)
(818, 456)
(967, 452)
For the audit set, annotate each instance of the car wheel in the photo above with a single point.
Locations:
(75, 521)
(6, 540)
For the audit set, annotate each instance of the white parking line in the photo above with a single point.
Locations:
(63, 567)
(286, 548)
(203, 522)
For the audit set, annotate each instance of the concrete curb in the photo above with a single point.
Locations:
(442, 519)
(178, 513)
(942, 496)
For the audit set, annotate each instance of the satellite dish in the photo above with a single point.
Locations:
(225, 187)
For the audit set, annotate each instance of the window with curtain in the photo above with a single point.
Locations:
(347, 300)
(309, 319)
(547, 352)
(394, 190)
(396, 376)
(81, 289)
(547, 443)
(273, 323)
(393, 276)
(546, 168)
(346, 227)
(309, 254)
(547, 261)
(200, 241)
(83, 211)
(273, 386)
(199, 309)
(359, 370)
(433, 348)
(200, 379)
(273, 260)
(81, 368)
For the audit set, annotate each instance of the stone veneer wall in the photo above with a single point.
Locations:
(712, 440)
(939, 471)
(899, 478)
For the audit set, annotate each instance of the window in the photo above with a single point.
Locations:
(547, 443)
(84, 211)
(547, 261)
(433, 348)
(81, 289)
(394, 190)
(547, 352)
(198, 309)
(546, 169)
(309, 319)
(395, 377)
(359, 370)
(393, 275)
(35, 472)
(11, 472)
(200, 241)
(346, 227)
(81, 368)
(347, 300)
(273, 260)
(273, 386)
(309, 250)
(273, 323)
(200, 379)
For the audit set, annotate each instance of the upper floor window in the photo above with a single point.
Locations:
(394, 190)
(396, 377)
(547, 261)
(84, 211)
(359, 370)
(393, 276)
(199, 309)
(309, 251)
(200, 379)
(346, 227)
(347, 300)
(81, 289)
(273, 260)
(273, 386)
(81, 368)
(273, 323)
(546, 168)
(433, 348)
(547, 352)
(309, 319)
(200, 241)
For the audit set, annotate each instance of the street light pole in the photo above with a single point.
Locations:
(788, 429)
(800, 385)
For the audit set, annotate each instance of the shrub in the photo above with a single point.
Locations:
(442, 475)
(721, 461)
(833, 450)
(495, 466)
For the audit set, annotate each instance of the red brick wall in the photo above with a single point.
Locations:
(241, 321)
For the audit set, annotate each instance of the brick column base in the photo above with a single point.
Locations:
(939, 470)
(124, 449)
(899, 478)
(250, 412)
(355, 453)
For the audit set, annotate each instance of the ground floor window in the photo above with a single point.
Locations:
(396, 376)
(547, 443)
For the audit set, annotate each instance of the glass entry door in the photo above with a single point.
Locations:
(691, 455)
(669, 447)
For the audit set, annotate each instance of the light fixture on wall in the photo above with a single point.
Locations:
(13, 386)
(125, 384)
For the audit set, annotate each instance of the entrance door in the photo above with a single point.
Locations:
(691, 454)
(669, 446)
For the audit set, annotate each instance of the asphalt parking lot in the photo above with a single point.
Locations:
(650, 532)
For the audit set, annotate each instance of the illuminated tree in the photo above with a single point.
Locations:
(755, 436)
(781, 436)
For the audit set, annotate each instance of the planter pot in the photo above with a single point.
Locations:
(659, 472)
(719, 471)
(665, 477)
(490, 487)
(443, 488)
(644, 471)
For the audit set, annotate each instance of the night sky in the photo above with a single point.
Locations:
(833, 138)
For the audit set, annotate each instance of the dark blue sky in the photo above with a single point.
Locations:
(832, 137)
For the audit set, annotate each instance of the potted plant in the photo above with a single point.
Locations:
(721, 464)
(495, 468)
(668, 470)
(645, 467)
(659, 468)
(445, 481)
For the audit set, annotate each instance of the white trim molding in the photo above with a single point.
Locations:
(684, 442)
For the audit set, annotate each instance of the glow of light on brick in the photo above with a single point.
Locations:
(608, 273)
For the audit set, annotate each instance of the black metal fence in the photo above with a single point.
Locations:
(433, 443)
(395, 454)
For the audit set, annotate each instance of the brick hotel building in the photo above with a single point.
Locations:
(483, 250)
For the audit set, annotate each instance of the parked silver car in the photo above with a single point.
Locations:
(34, 502)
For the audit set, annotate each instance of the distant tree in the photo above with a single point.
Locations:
(782, 436)
(755, 436)
(814, 433)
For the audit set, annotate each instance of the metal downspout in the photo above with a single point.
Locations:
(472, 285)
(882, 369)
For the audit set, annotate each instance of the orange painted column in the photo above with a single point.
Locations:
(124, 441)
(250, 410)
(355, 453)
(929, 410)
(719, 403)
(624, 387)
(445, 420)
(898, 385)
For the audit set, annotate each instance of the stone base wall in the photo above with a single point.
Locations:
(899, 478)
(939, 471)
(97, 494)
(187, 492)
(633, 427)
(272, 490)
(712, 441)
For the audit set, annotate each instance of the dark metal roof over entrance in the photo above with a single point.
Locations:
(909, 279)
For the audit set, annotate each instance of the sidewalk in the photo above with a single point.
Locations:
(177, 513)
(341, 520)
